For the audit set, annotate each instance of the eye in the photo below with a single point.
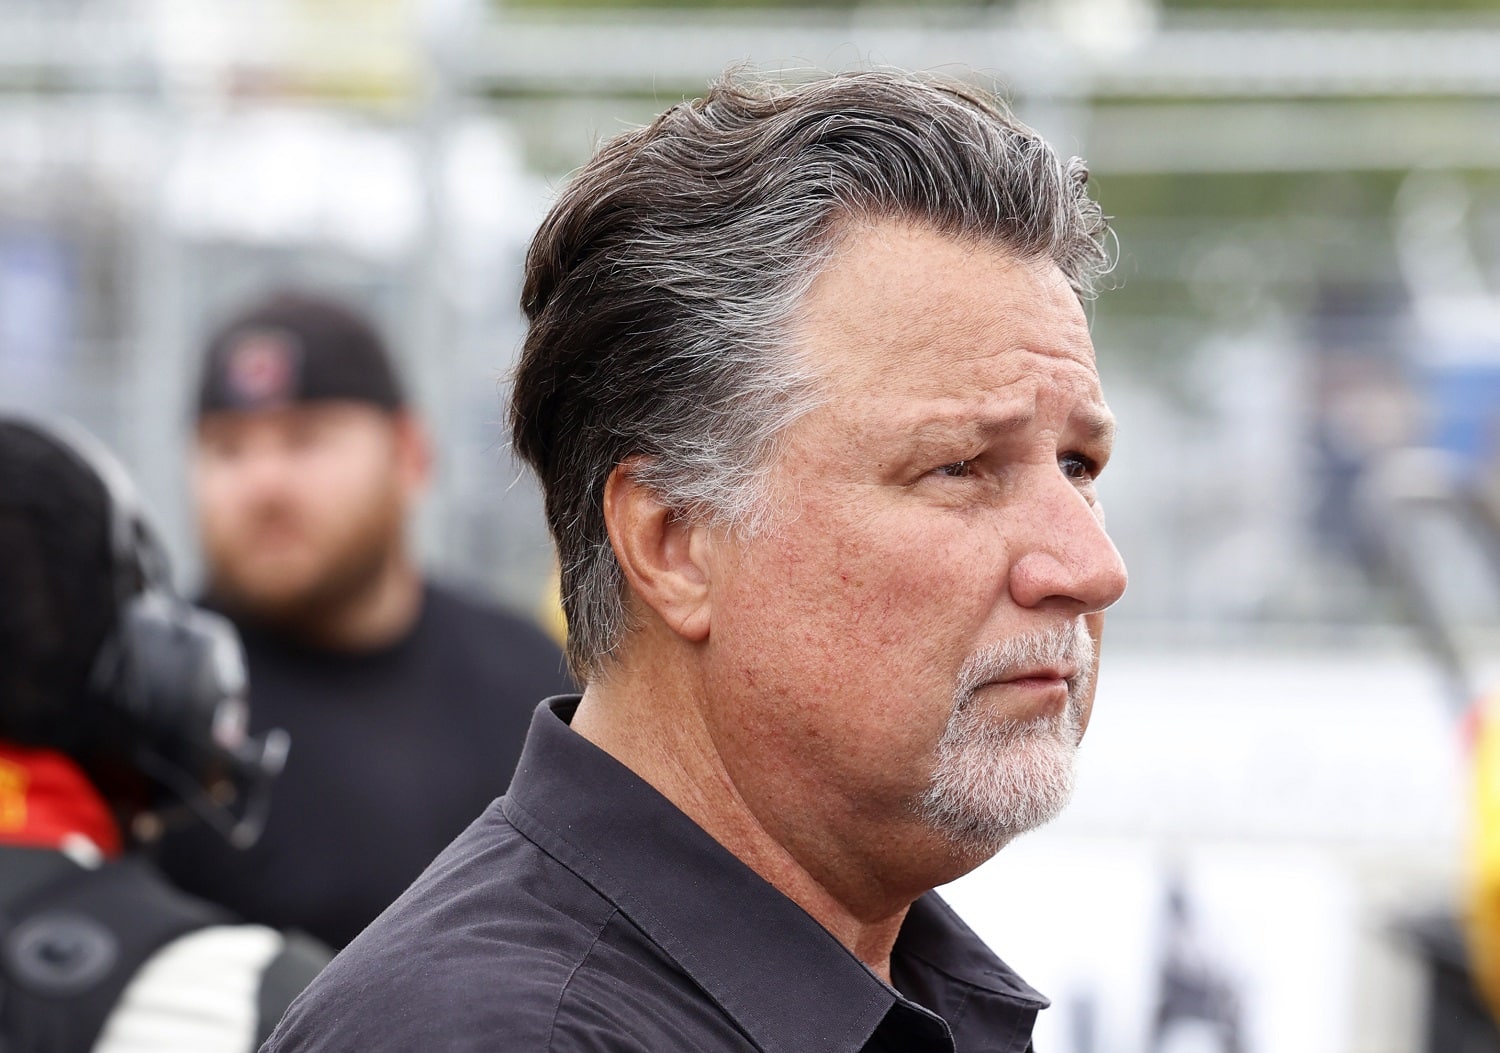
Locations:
(957, 470)
(219, 446)
(1078, 466)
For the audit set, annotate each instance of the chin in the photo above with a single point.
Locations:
(994, 782)
(268, 599)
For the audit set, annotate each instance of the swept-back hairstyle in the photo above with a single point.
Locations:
(661, 287)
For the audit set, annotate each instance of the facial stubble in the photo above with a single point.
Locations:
(349, 571)
(997, 777)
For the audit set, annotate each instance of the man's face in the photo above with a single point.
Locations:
(914, 636)
(300, 508)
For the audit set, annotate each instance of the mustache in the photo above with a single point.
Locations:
(1063, 645)
(272, 514)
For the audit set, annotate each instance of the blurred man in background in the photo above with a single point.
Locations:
(408, 702)
(118, 702)
(813, 400)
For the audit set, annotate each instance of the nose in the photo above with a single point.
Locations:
(263, 470)
(1065, 558)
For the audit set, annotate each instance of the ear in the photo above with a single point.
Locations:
(413, 453)
(661, 553)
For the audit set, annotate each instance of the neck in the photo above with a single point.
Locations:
(374, 613)
(848, 879)
(374, 617)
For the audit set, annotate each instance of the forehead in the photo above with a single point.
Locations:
(905, 312)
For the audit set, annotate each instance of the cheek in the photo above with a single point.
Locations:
(891, 607)
(333, 484)
(217, 499)
(912, 583)
(838, 641)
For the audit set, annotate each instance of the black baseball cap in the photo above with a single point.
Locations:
(294, 347)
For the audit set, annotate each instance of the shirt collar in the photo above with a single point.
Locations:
(768, 964)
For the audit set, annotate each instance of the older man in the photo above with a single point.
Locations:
(812, 396)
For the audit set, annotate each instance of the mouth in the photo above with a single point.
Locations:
(273, 533)
(1035, 692)
(1032, 672)
(1029, 694)
(1041, 675)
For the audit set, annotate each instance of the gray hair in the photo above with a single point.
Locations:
(662, 286)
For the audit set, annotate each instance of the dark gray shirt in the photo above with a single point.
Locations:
(585, 912)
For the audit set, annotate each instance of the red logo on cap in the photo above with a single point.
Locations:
(261, 368)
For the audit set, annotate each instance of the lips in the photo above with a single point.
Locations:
(1040, 662)
(1045, 673)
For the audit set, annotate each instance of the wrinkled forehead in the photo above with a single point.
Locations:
(905, 308)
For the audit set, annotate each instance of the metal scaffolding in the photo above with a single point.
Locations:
(106, 109)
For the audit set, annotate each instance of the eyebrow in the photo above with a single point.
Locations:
(1098, 428)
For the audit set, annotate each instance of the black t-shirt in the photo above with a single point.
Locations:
(393, 753)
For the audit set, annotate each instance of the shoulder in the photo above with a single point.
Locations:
(222, 987)
(494, 639)
(510, 950)
(486, 941)
(447, 603)
(590, 983)
(629, 996)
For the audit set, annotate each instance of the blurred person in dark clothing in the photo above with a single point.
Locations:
(119, 704)
(408, 701)
(810, 390)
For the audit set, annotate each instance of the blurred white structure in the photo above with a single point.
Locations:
(163, 158)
